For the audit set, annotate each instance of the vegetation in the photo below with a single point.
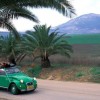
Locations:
(86, 54)
(84, 39)
(11, 49)
(65, 72)
(34, 71)
(45, 43)
(83, 66)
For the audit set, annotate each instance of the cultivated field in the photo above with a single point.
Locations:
(84, 39)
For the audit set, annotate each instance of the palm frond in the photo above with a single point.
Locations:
(47, 42)
(10, 13)
(62, 6)
(5, 23)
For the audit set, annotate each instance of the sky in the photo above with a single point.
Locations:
(54, 18)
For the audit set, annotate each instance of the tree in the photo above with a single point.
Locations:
(45, 43)
(9, 48)
(15, 8)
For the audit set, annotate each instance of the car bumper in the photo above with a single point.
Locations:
(28, 88)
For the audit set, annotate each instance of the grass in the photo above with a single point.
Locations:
(65, 72)
(95, 74)
(84, 54)
(34, 71)
(95, 71)
(83, 66)
(72, 73)
(84, 39)
(86, 49)
(80, 74)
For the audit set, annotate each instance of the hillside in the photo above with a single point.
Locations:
(2, 33)
(88, 23)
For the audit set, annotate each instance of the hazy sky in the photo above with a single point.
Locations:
(53, 18)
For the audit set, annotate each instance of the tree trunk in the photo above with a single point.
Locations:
(20, 58)
(45, 62)
(12, 60)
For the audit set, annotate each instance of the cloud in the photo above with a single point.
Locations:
(45, 16)
(86, 6)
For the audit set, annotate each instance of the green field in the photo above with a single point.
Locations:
(84, 39)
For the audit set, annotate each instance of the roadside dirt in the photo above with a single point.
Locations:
(3, 99)
(67, 74)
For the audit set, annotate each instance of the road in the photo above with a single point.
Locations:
(57, 90)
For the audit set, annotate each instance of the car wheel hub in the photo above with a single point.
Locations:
(13, 89)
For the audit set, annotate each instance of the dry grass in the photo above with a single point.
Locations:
(84, 54)
(69, 73)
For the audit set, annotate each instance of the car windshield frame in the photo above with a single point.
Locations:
(12, 70)
(2, 72)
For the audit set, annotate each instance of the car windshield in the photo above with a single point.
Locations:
(12, 70)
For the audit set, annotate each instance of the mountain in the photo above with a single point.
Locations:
(2, 33)
(88, 23)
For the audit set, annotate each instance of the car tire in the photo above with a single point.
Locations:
(13, 89)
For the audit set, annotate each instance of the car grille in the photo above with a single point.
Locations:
(29, 83)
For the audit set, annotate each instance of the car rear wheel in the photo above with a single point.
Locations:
(14, 89)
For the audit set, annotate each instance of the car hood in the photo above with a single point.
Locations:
(21, 76)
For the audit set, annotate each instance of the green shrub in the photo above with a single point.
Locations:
(34, 71)
(79, 74)
(95, 79)
(95, 71)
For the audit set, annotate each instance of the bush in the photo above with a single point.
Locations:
(79, 74)
(95, 71)
(34, 72)
(95, 74)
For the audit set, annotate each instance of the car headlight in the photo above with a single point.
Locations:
(34, 78)
(21, 81)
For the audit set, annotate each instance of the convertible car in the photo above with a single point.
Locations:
(16, 81)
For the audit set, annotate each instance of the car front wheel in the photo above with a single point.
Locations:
(14, 89)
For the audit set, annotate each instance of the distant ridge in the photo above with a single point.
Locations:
(88, 23)
(2, 33)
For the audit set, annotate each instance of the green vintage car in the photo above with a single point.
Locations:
(16, 81)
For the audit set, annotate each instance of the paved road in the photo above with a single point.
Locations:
(55, 90)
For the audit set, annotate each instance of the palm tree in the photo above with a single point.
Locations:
(15, 8)
(9, 48)
(45, 43)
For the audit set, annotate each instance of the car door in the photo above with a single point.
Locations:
(4, 81)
